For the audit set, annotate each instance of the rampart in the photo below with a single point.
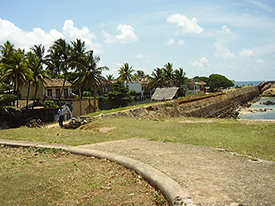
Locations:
(223, 105)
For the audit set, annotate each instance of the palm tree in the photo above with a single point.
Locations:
(16, 71)
(7, 51)
(59, 60)
(110, 77)
(125, 73)
(180, 78)
(157, 79)
(90, 74)
(168, 74)
(39, 51)
(139, 75)
(39, 75)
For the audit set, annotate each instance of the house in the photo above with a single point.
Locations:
(50, 90)
(195, 86)
(162, 94)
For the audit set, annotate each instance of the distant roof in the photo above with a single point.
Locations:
(165, 93)
(57, 83)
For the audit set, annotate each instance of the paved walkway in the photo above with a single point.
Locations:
(197, 175)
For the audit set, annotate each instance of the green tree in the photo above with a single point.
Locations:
(217, 81)
(168, 74)
(59, 60)
(139, 75)
(89, 73)
(15, 70)
(157, 79)
(203, 79)
(179, 78)
(120, 95)
(110, 77)
(39, 75)
(125, 73)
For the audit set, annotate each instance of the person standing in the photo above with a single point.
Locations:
(61, 116)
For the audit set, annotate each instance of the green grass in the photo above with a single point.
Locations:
(248, 138)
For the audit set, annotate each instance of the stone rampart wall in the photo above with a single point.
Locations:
(224, 105)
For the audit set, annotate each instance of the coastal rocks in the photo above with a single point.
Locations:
(267, 89)
(268, 103)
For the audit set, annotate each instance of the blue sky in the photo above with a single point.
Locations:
(235, 38)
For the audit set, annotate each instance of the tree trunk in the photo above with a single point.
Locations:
(80, 102)
(28, 95)
(62, 89)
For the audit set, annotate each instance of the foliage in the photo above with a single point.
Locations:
(6, 100)
(167, 77)
(120, 95)
(217, 81)
(125, 72)
(203, 79)
(50, 104)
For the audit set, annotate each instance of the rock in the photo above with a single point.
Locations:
(268, 103)
(77, 122)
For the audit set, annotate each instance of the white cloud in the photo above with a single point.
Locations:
(203, 62)
(225, 29)
(138, 56)
(244, 53)
(25, 40)
(127, 34)
(189, 26)
(109, 39)
(181, 42)
(72, 32)
(170, 42)
(225, 54)
(259, 61)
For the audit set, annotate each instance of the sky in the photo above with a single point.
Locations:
(234, 38)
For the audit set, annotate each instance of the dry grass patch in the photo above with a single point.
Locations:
(53, 177)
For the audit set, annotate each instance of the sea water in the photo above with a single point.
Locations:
(268, 115)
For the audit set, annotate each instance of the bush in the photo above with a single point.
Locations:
(50, 104)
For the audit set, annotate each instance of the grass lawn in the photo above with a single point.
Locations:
(249, 138)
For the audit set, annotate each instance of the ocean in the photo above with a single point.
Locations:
(268, 115)
(241, 83)
(270, 109)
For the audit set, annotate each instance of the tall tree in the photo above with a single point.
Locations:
(157, 79)
(39, 75)
(168, 74)
(90, 74)
(16, 71)
(110, 77)
(39, 51)
(139, 75)
(125, 73)
(179, 78)
(59, 59)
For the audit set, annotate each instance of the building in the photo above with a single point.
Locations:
(50, 90)
(169, 93)
(195, 86)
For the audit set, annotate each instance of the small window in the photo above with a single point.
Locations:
(57, 91)
(49, 92)
(66, 93)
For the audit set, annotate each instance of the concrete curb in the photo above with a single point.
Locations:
(172, 191)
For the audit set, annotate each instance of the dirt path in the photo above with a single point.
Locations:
(210, 177)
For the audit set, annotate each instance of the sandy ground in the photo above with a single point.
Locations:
(211, 176)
